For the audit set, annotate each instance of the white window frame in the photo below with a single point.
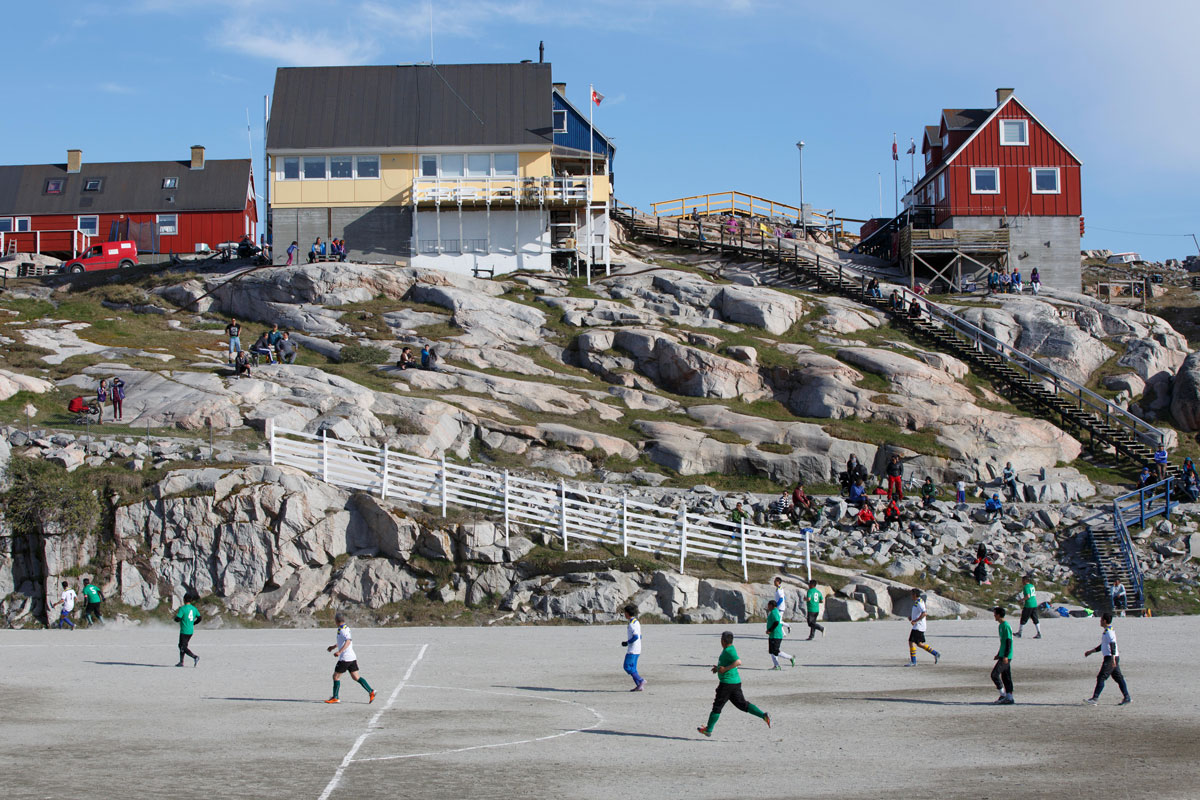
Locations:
(516, 170)
(11, 226)
(283, 169)
(437, 165)
(95, 226)
(1033, 171)
(170, 183)
(17, 228)
(941, 188)
(441, 166)
(163, 228)
(975, 171)
(562, 129)
(324, 169)
(1024, 133)
(378, 168)
(945, 141)
(61, 182)
(89, 181)
(329, 169)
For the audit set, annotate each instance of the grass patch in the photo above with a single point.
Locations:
(1165, 597)
(923, 441)
(1120, 473)
(363, 354)
(774, 447)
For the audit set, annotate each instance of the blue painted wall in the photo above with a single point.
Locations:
(577, 130)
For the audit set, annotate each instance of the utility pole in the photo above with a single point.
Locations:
(803, 216)
(879, 176)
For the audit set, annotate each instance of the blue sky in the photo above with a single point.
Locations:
(701, 96)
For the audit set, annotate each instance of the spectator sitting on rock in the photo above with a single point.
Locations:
(981, 565)
(262, 347)
(737, 517)
(928, 492)
(274, 336)
(993, 282)
(801, 502)
(866, 520)
(914, 309)
(241, 364)
(406, 360)
(858, 493)
(1008, 479)
(897, 303)
(780, 505)
(892, 515)
(1145, 478)
(993, 507)
(1120, 598)
(286, 349)
(317, 249)
(1191, 487)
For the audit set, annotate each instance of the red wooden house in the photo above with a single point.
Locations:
(1009, 188)
(164, 206)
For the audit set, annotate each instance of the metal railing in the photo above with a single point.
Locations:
(1124, 515)
(1036, 371)
(744, 204)
(531, 191)
(568, 513)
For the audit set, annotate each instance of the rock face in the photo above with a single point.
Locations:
(1035, 327)
(1185, 395)
(13, 382)
(773, 311)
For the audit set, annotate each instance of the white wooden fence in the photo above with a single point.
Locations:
(568, 513)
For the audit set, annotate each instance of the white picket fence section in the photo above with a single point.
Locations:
(571, 514)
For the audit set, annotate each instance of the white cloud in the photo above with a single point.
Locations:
(116, 88)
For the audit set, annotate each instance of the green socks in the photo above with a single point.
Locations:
(756, 711)
(712, 722)
(337, 687)
(363, 683)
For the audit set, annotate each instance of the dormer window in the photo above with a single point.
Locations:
(1014, 132)
(55, 186)
(560, 120)
(93, 184)
(170, 183)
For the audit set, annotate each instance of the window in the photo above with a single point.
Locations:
(367, 166)
(93, 184)
(560, 121)
(429, 166)
(22, 224)
(479, 165)
(1045, 180)
(945, 140)
(452, 166)
(506, 164)
(168, 224)
(291, 169)
(941, 187)
(1014, 131)
(985, 180)
(89, 225)
(6, 224)
(341, 166)
(170, 183)
(314, 168)
(54, 186)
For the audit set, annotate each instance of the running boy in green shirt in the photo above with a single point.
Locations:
(1002, 672)
(775, 636)
(1029, 608)
(187, 616)
(813, 609)
(729, 687)
(92, 598)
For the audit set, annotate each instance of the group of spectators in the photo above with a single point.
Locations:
(428, 359)
(274, 345)
(1006, 282)
(111, 389)
(335, 249)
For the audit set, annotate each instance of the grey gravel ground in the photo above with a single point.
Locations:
(545, 712)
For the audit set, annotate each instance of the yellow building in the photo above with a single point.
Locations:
(468, 168)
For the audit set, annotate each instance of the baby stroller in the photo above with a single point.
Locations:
(85, 411)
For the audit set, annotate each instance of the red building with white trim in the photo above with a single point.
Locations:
(164, 206)
(999, 171)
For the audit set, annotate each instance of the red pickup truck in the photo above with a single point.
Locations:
(110, 255)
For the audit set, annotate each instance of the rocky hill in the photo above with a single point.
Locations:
(671, 373)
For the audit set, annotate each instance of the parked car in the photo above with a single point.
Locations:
(110, 255)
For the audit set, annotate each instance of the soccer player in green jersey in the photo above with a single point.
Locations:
(1002, 672)
(729, 687)
(187, 616)
(92, 598)
(813, 609)
(775, 636)
(1029, 608)
(347, 661)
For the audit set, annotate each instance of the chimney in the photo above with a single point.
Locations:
(197, 156)
(561, 88)
(74, 160)
(541, 52)
(1002, 95)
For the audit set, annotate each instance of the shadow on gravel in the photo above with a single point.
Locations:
(641, 735)
(556, 689)
(265, 700)
(131, 664)
(952, 702)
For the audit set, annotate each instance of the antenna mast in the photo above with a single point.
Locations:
(431, 61)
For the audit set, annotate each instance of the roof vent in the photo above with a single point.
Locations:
(74, 160)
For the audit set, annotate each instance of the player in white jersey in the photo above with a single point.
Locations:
(781, 604)
(1111, 664)
(347, 661)
(67, 601)
(916, 637)
(633, 647)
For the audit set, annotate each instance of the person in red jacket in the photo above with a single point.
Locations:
(895, 476)
(866, 518)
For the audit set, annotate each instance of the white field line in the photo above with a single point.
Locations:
(207, 646)
(337, 776)
(599, 719)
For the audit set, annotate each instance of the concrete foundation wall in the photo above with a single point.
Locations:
(373, 234)
(1058, 261)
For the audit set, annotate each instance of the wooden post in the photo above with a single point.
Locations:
(624, 525)
(442, 482)
(383, 487)
(506, 512)
(562, 511)
(324, 456)
(742, 540)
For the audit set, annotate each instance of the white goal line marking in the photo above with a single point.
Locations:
(599, 719)
(337, 775)
(207, 645)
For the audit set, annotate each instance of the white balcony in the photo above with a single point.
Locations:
(525, 192)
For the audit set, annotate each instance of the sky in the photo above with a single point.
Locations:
(700, 95)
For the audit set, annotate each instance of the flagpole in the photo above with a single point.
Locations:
(895, 179)
(879, 175)
(591, 171)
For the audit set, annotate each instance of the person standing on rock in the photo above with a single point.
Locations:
(917, 617)
(1029, 608)
(102, 398)
(813, 610)
(67, 601)
(1002, 672)
(1008, 477)
(1160, 462)
(729, 687)
(775, 635)
(187, 616)
(234, 332)
(291, 251)
(347, 661)
(91, 602)
(633, 648)
(1111, 665)
(118, 396)
(895, 476)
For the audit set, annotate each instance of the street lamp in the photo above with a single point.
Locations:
(803, 218)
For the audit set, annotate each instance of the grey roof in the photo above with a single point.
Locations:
(965, 119)
(126, 187)
(933, 135)
(411, 106)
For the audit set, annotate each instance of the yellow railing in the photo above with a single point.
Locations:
(741, 204)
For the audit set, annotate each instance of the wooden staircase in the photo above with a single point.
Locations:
(1040, 389)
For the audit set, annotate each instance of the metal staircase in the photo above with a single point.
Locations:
(1049, 394)
(1113, 545)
